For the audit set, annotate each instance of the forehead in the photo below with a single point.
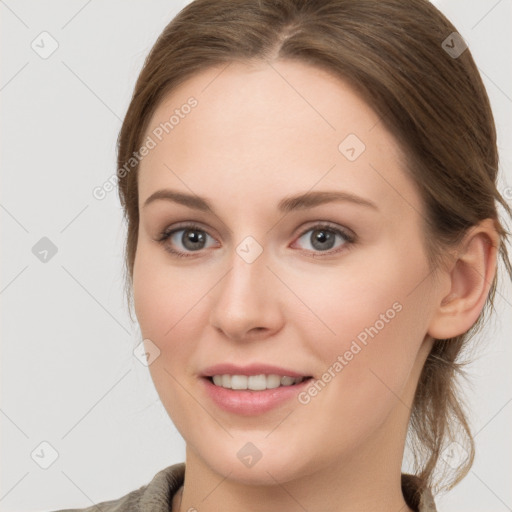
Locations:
(263, 128)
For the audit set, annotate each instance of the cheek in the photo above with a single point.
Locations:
(374, 291)
(377, 315)
(163, 295)
(168, 308)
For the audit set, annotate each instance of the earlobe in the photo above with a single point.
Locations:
(470, 277)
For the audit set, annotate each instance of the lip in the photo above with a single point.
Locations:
(248, 402)
(252, 369)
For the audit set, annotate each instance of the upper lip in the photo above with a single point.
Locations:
(252, 369)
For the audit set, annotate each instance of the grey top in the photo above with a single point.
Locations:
(158, 494)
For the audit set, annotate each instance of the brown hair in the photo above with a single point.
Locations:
(433, 102)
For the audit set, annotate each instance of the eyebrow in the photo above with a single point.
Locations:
(287, 204)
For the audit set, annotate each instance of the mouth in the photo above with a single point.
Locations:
(253, 394)
(260, 382)
(252, 389)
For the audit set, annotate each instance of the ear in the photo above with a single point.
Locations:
(469, 279)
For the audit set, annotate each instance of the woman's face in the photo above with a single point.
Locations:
(306, 258)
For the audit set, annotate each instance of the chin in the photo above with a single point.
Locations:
(258, 462)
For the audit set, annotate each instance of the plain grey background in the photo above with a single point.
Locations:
(69, 378)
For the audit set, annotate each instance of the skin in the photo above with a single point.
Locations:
(260, 133)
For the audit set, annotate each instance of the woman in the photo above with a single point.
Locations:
(310, 193)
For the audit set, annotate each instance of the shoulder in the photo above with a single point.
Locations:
(155, 496)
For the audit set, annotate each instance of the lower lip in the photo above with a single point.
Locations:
(247, 402)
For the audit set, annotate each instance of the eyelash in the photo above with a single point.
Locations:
(349, 239)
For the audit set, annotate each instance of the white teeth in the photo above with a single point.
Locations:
(226, 381)
(238, 381)
(255, 382)
(273, 381)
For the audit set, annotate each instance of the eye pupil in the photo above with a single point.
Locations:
(320, 237)
(193, 239)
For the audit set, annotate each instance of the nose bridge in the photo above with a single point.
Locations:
(242, 285)
(245, 299)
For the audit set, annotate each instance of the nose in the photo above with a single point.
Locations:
(246, 303)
